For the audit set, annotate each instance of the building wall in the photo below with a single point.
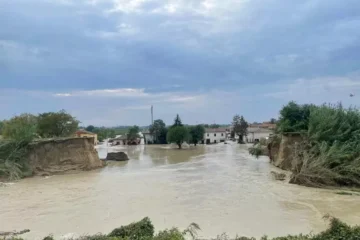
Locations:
(215, 137)
(257, 135)
(148, 138)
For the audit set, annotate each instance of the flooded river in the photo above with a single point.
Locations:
(220, 187)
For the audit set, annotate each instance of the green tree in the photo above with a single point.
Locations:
(104, 133)
(273, 121)
(177, 121)
(214, 125)
(20, 128)
(1, 126)
(178, 135)
(240, 127)
(294, 118)
(133, 133)
(159, 131)
(196, 133)
(90, 128)
(57, 124)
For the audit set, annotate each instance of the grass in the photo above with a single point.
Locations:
(13, 163)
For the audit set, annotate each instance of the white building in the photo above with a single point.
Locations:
(148, 137)
(256, 133)
(215, 135)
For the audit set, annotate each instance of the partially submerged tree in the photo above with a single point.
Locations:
(177, 133)
(240, 127)
(57, 124)
(159, 131)
(196, 134)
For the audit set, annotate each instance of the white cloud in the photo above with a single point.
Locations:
(183, 99)
(119, 92)
(128, 6)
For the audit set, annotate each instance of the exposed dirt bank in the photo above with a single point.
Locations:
(63, 155)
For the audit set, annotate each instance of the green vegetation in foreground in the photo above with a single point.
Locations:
(144, 230)
(330, 152)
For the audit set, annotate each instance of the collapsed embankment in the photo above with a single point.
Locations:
(310, 166)
(281, 150)
(58, 156)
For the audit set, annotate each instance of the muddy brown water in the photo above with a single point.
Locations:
(220, 187)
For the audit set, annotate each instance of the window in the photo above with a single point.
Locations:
(222, 134)
(214, 134)
(207, 134)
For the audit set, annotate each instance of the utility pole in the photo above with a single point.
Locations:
(152, 115)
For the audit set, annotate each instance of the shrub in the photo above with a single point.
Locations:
(172, 234)
(13, 162)
(259, 150)
(263, 141)
(101, 237)
(255, 151)
(330, 152)
(135, 231)
(50, 237)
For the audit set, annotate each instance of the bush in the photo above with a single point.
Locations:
(20, 128)
(101, 237)
(135, 231)
(255, 151)
(13, 162)
(259, 150)
(263, 141)
(50, 237)
(330, 152)
(172, 234)
(294, 118)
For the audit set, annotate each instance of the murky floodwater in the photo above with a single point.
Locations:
(220, 187)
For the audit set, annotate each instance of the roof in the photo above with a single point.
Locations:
(83, 131)
(215, 130)
(263, 125)
(259, 130)
(122, 137)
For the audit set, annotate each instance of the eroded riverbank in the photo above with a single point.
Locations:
(220, 187)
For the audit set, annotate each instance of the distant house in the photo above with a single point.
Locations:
(119, 140)
(148, 137)
(123, 140)
(83, 134)
(215, 135)
(256, 133)
(264, 125)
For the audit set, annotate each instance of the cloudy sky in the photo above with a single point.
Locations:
(108, 61)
